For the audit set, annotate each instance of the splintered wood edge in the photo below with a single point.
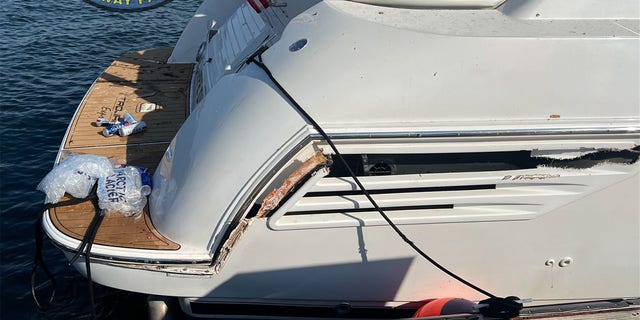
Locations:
(272, 200)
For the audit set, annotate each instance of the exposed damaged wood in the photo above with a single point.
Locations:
(270, 202)
(273, 199)
(428, 163)
(228, 245)
(591, 159)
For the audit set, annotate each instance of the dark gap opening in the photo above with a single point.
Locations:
(339, 170)
(355, 210)
(592, 159)
(394, 164)
(253, 211)
(401, 190)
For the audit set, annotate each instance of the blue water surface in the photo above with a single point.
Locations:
(50, 53)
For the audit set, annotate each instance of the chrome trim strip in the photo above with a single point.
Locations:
(483, 133)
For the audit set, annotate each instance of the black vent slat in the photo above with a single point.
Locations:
(401, 190)
(354, 210)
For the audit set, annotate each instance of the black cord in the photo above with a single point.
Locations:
(498, 307)
(89, 235)
(89, 238)
(362, 188)
(85, 246)
(38, 261)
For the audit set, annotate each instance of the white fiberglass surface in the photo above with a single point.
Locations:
(357, 68)
(471, 181)
(217, 153)
(598, 231)
(235, 40)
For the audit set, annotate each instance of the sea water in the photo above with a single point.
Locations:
(50, 53)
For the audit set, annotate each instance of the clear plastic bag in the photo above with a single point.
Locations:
(76, 175)
(124, 192)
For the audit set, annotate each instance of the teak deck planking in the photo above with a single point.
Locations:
(129, 81)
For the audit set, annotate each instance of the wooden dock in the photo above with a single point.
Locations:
(132, 80)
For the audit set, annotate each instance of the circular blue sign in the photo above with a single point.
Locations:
(127, 5)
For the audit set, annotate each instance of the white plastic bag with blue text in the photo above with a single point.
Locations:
(76, 175)
(123, 192)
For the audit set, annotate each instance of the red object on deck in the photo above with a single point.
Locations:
(444, 306)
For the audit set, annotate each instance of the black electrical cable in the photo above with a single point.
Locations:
(512, 304)
(362, 188)
(89, 235)
(85, 246)
(38, 262)
(89, 238)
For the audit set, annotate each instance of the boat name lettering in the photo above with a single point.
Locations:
(537, 176)
(116, 187)
(103, 112)
(127, 5)
(119, 105)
